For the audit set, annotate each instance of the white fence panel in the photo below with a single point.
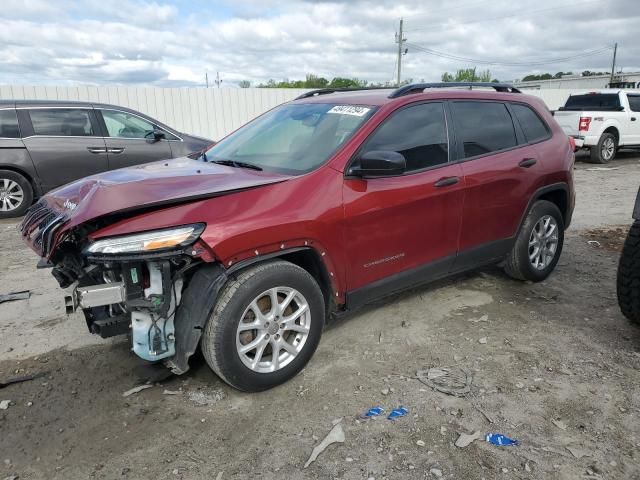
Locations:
(209, 112)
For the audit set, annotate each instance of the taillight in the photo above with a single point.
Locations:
(572, 144)
(583, 126)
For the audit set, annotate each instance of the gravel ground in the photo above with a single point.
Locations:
(554, 365)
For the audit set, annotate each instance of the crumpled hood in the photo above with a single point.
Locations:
(152, 184)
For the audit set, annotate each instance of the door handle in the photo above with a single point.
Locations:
(115, 150)
(97, 150)
(527, 162)
(633, 119)
(446, 181)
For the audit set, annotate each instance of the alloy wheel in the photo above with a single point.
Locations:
(543, 242)
(273, 329)
(608, 148)
(11, 195)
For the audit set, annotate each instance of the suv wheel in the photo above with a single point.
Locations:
(606, 149)
(538, 245)
(16, 194)
(265, 326)
(629, 275)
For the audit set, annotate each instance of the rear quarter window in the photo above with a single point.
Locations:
(9, 124)
(634, 102)
(532, 125)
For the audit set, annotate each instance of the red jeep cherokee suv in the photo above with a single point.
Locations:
(315, 207)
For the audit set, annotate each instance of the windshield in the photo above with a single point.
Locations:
(597, 101)
(291, 139)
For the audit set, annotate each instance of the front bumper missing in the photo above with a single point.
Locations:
(94, 296)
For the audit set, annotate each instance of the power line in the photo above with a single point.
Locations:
(449, 56)
(513, 15)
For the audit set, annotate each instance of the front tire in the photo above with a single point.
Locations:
(628, 281)
(16, 194)
(272, 307)
(538, 245)
(605, 150)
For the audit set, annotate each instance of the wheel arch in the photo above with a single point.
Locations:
(558, 194)
(307, 258)
(37, 192)
(613, 130)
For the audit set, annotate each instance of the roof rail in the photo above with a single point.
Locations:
(419, 87)
(324, 91)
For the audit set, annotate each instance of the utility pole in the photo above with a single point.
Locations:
(206, 79)
(613, 65)
(400, 40)
(217, 80)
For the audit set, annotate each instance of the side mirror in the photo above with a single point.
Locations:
(155, 135)
(379, 163)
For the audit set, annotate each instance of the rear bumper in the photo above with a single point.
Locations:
(586, 141)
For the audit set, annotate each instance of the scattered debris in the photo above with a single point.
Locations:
(12, 477)
(464, 440)
(500, 440)
(436, 472)
(595, 243)
(420, 443)
(397, 413)
(10, 297)
(336, 435)
(172, 392)
(372, 412)
(4, 404)
(601, 169)
(579, 452)
(137, 389)
(559, 423)
(450, 380)
(204, 398)
(483, 318)
(219, 477)
(482, 340)
(26, 378)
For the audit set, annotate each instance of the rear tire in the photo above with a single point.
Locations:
(605, 150)
(16, 194)
(538, 245)
(224, 337)
(628, 281)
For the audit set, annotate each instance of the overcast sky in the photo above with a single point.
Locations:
(173, 43)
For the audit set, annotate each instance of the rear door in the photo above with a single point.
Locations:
(64, 143)
(634, 119)
(401, 228)
(130, 139)
(501, 171)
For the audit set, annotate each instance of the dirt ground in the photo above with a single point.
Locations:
(559, 372)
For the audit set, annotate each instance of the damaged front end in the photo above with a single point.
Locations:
(132, 283)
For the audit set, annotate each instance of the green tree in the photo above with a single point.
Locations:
(244, 84)
(467, 75)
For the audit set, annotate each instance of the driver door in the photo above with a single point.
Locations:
(403, 229)
(130, 141)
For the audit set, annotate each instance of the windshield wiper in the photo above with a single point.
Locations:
(234, 163)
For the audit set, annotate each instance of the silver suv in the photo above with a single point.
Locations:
(46, 144)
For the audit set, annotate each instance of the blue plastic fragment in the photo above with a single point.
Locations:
(373, 412)
(500, 440)
(397, 413)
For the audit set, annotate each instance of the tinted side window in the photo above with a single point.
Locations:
(593, 101)
(634, 102)
(533, 127)
(67, 122)
(483, 127)
(9, 124)
(419, 133)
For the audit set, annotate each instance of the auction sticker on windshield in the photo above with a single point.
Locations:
(354, 110)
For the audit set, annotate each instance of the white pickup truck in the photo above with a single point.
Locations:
(602, 121)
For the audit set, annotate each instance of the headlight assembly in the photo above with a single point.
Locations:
(147, 242)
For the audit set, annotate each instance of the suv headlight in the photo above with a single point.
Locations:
(147, 242)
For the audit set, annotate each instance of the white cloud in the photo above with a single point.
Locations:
(165, 43)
